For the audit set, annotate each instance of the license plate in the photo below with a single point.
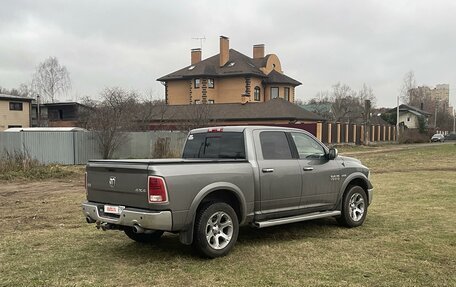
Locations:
(112, 209)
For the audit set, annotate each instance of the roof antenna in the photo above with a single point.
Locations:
(201, 39)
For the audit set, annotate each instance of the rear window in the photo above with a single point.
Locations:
(218, 145)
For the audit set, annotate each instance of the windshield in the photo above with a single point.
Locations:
(215, 145)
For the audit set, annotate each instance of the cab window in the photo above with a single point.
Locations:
(307, 147)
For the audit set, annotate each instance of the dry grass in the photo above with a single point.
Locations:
(409, 239)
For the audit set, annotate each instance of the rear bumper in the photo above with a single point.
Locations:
(157, 220)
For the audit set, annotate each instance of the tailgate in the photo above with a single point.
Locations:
(118, 183)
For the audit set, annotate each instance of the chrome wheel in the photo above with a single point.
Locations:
(356, 207)
(219, 230)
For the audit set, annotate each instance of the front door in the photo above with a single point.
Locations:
(320, 176)
(280, 175)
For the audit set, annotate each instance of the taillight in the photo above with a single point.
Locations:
(215, 130)
(156, 190)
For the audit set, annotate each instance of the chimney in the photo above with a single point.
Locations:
(224, 50)
(196, 55)
(258, 51)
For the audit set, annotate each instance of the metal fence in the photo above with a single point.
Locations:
(79, 147)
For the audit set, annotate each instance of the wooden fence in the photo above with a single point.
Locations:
(344, 133)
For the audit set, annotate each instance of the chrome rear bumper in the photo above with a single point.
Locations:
(157, 220)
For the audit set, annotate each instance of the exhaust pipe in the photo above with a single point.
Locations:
(90, 220)
(138, 229)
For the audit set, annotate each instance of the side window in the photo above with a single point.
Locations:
(307, 147)
(275, 145)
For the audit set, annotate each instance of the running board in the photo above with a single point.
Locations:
(298, 218)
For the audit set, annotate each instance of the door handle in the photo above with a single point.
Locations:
(265, 170)
(308, 168)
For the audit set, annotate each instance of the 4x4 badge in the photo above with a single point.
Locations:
(112, 181)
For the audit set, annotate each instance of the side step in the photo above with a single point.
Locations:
(298, 218)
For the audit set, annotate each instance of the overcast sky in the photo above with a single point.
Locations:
(132, 43)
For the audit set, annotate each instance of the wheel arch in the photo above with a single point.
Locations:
(219, 191)
(358, 179)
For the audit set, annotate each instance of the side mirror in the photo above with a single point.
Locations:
(332, 153)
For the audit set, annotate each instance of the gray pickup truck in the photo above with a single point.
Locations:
(227, 177)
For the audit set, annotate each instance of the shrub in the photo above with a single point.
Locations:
(19, 165)
(413, 136)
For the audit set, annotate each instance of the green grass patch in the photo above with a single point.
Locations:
(408, 239)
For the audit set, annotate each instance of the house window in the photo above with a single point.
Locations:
(197, 102)
(197, 83)
(13, 106)
(408, 119)
(210, 101)
(210, 83)
(286, 94)
(256, 93)
(274, 92)
(14, 126)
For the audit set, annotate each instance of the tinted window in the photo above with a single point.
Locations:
(275, 145)
(307, 147)
(215, 145)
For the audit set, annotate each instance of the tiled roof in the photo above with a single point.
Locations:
(15, 98)
(276, 109)
(238, 64)
(275, 77)
(404, 107)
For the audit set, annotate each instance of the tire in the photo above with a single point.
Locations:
(154, 236)
(354, 207)
(216, 230)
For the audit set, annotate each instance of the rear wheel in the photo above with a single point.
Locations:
(354, 207)
(150, 236)
(216, 230)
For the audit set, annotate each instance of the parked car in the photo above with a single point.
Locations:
(450, 137)
(438, 138)
(227, 177)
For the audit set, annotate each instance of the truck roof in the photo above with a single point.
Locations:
(241, 128)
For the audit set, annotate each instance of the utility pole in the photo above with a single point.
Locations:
(454, 122)
(397, 119)
(367, 127)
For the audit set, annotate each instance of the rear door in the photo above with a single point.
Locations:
(118, 183)
(280, 176)
(321, 178)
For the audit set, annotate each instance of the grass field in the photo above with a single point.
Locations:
(408, 239)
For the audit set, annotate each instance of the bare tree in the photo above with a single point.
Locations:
(366, 93)
(346, 104)
(51, 79)
(408, 87)
(111, 118)
(199, 115)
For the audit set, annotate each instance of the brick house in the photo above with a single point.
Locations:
(229, 77)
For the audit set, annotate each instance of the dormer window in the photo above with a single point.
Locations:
(231, 64)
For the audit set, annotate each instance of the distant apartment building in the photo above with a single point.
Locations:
(229, 77)
(428, 99)
(14, 112)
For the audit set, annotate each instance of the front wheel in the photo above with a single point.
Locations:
(150, 236)
(216, 230)
(354, 207)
